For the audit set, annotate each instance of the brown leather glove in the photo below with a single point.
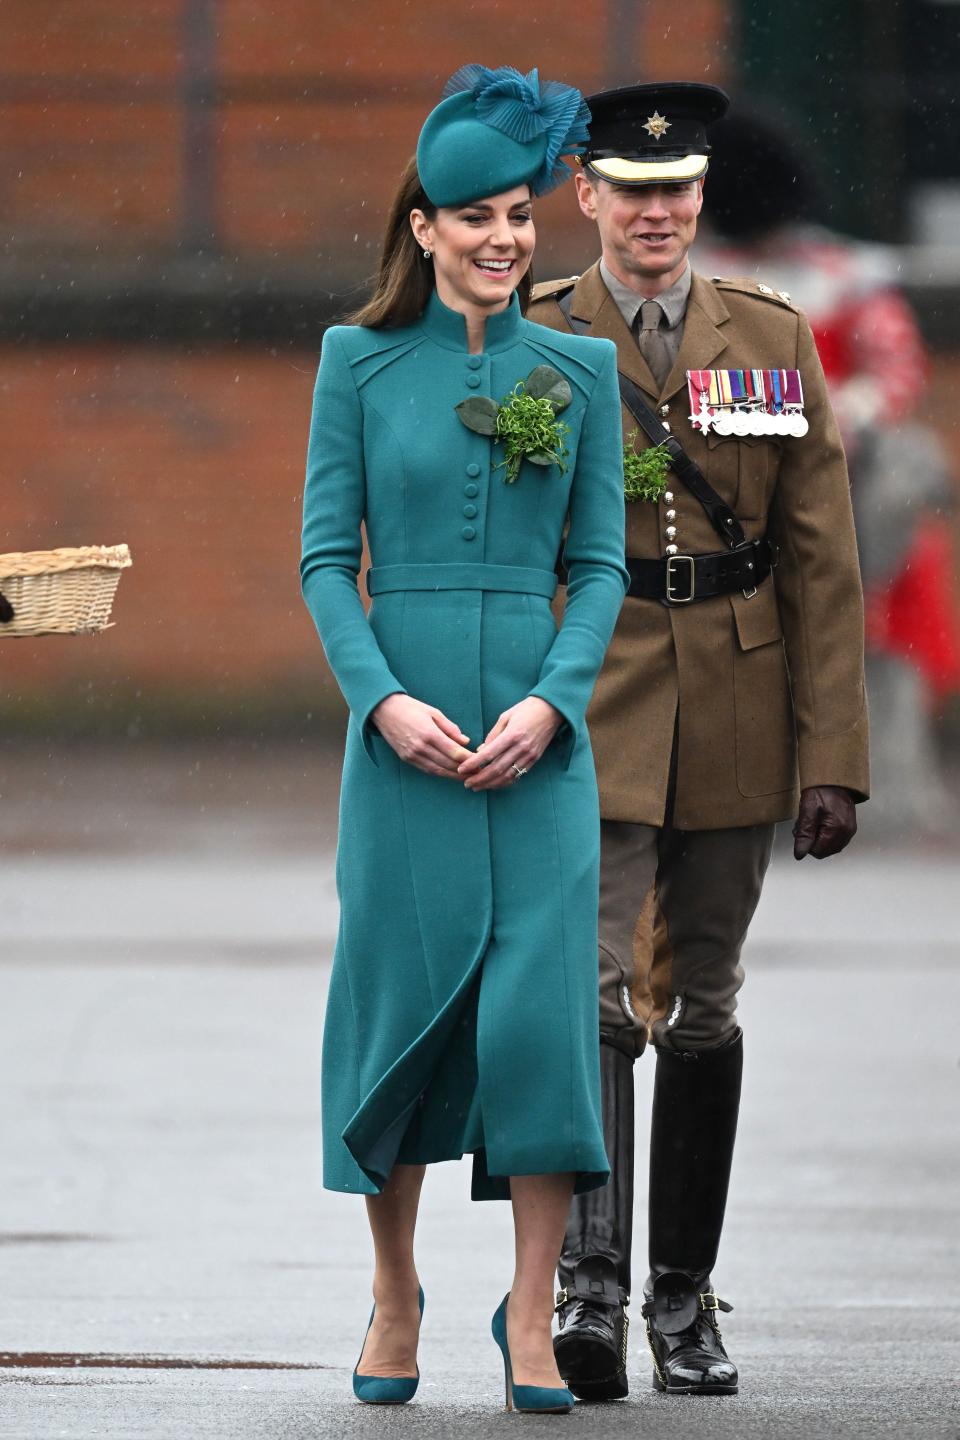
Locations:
(827, 822)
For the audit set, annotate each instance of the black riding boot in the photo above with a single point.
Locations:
(696, 1100)
(594, 1268)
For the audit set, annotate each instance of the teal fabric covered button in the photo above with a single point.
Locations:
(475, 361)
(473, 469)
(468, 532)
(473, 381)
(470, 511)
(471, 490)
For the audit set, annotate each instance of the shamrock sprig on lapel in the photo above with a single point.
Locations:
(525, 421)
(644, 474)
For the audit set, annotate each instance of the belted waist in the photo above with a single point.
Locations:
(680, 579)
(520, 579)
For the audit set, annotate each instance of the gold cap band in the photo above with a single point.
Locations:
(649, 172)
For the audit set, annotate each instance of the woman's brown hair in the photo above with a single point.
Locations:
(405, 279)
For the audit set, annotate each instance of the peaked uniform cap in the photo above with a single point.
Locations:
(496, 129)
(652, 134)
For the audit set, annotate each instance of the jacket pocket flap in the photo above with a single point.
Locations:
(757, 619)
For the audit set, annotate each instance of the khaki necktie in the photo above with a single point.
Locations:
(652, 342)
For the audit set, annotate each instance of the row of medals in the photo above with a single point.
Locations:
(750, 420)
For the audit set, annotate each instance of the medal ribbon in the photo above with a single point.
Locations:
(792, 388)
(771, 391)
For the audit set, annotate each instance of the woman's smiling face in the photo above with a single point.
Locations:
(481, 251)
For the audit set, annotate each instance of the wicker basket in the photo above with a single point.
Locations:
(61, 592)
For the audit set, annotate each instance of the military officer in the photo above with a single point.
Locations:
(731, 698)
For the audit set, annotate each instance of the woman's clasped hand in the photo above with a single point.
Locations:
(423, 736)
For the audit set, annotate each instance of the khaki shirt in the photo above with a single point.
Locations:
(673, 303)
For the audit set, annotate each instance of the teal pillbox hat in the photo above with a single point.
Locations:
(496, 129)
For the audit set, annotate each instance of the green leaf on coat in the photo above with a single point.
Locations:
(479, 413)
(545, 383)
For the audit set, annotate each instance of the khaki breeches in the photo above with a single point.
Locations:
(674, 911)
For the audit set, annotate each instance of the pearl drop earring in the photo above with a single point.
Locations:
(426, 254)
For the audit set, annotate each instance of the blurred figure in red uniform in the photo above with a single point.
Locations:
(757, 207)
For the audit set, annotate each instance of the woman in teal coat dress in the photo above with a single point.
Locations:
(461, 1015)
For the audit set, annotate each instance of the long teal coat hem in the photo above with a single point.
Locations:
(462, 1011)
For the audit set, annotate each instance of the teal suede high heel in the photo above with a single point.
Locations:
(529, 1399)
(385, 1389)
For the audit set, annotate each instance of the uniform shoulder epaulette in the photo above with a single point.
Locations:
(546, 289)
(745, 286)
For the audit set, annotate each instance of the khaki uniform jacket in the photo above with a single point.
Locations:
(767, 692)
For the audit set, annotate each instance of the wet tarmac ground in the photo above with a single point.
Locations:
(170, 1266)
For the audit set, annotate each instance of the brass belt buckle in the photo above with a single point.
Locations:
(673, 560)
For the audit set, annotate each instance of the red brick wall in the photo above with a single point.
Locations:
(320, 105)
(78, 168)
(196, 461)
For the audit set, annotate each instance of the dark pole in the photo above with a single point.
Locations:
(883, 116)
(198, 229)
(624, 18)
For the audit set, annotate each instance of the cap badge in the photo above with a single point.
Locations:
(657, 125)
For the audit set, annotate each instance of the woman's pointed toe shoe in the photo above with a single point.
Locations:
(527, 1399)
(385, 1389)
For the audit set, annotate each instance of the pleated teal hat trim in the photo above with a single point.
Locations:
(496, 129)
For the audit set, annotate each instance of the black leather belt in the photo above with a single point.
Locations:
(680, 579)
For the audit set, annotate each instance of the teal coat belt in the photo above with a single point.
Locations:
(509, 579)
